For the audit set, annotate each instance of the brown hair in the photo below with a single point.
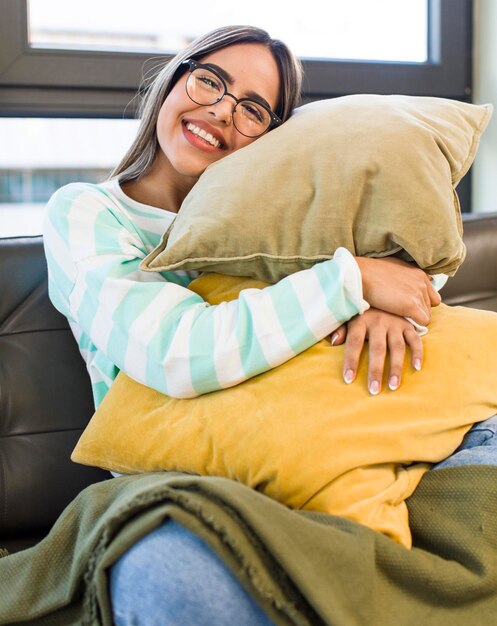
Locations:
(141, 154)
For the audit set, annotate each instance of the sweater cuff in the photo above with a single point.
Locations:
(351, 278)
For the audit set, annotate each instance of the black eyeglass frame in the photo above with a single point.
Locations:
(274, 120)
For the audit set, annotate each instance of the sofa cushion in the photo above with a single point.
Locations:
(45, 399)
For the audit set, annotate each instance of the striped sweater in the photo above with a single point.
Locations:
(151, 326)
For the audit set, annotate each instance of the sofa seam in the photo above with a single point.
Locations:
(36, 433)
(38, 330)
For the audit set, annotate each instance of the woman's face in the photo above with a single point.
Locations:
(254, 71)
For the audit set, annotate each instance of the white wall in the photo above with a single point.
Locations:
(484, 182)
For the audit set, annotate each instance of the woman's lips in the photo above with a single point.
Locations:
(193, 133)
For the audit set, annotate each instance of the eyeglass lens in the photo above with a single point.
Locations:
(205, 87)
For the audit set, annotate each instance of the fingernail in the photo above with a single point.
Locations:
(348, 376)
(417, 364)
(334, 337)
(374, 387)
(393, 382)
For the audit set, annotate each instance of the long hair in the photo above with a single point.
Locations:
(141, 154)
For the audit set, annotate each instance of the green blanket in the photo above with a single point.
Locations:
(303, 568)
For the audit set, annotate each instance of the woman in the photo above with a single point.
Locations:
(218, 95)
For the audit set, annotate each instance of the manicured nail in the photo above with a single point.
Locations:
(374, 387)
(348, 376)
(393, 382)
(334, 337)
(417, 364)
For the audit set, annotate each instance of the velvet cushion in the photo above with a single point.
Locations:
(299, 434)
(375, 174)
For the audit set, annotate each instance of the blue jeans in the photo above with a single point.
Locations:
(479, 446)
(172, 578)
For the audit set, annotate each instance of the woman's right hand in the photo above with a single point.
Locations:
(396, 287)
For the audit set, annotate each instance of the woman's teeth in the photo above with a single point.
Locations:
(202, 133)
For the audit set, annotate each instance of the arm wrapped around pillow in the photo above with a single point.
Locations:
(302, 436)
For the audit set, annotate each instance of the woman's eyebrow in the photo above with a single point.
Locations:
(230, 80)
(255, 96)
(223, 73)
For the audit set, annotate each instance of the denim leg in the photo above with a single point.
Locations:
(172, 578)
(479, 446)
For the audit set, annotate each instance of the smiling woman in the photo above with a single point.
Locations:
(181, 118)
(161, 333)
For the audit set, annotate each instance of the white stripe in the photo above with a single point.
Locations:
(227, 359)
(79, 292)
(58, 249)
(267, 327)
(320, 320)
(156, 226)
(81, 236)
(178, 375)
(96, 374)
(76, 331)
(130, 245)
(111, 295)
(147, 324)
(350, 278)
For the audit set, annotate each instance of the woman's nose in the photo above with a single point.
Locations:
(223, 110)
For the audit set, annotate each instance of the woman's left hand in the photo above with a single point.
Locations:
(385, 333)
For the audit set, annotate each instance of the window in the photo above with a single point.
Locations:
(56, 65)
(385, 30)
(44, 154)
(91, 82)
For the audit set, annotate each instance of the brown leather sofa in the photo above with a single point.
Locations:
(45, 396)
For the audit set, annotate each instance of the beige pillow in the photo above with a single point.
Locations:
(375, 174)
(299, 434)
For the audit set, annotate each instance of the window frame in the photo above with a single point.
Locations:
(83, 83)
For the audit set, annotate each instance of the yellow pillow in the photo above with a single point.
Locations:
(375, 174)
(299, 434)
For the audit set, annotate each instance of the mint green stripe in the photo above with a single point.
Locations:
(88, 306)
(59, 280)
(328, 274)
(160, 343)
(105, 241)
(99, 390)
(105, 366)
(202, 345)
(252, 357)
(118, 221)
(291, 316)
(136, 300)
(106, 231)
(107, 370)
(59, 209)
(85, 343)
(171, 277)
(150, 237)
(142, 212)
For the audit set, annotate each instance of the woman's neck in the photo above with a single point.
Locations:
(161, 187)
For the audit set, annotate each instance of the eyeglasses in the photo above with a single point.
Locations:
(206, 87)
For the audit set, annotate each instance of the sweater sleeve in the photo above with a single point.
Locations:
(160, 333)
